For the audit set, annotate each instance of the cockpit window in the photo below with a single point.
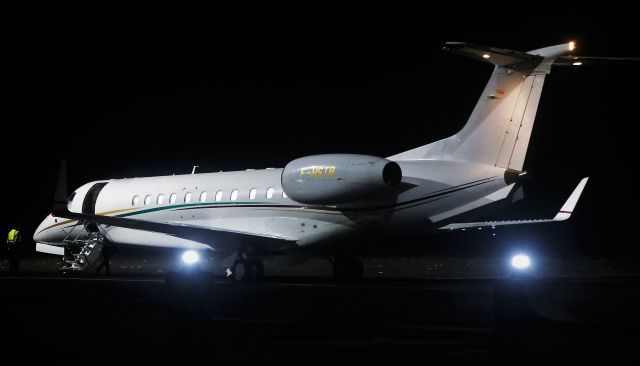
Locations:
(70, 200)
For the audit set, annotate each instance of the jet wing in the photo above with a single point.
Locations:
(564, 213)
(218, 239)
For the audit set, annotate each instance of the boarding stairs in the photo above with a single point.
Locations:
(91, 247)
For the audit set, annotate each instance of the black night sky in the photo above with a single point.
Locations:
(138, 92)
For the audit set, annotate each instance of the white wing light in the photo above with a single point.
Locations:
(190, 257)
(520, 261)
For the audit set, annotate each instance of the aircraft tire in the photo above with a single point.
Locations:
(241, 269)
(257, 269)
(248, 270)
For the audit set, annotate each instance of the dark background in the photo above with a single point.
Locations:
(124, 92)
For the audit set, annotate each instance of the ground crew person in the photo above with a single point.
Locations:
(106, 258)
(13, 243)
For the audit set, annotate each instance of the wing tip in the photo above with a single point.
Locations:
(567, 209)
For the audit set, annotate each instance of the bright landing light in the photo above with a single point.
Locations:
(572, 46)
(190, 257)
(520, 261)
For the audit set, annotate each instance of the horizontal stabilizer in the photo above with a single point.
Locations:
(591, 60)
(496, 56)
(564, 213)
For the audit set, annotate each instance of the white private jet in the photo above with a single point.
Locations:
(244, 215)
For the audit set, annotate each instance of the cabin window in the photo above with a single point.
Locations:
(269, 192)
(172, 198)
(203, 196)
(135, 201)
(147, 199)
(252, 193)
(218, 196)
(187, 197)
(160, 199)
(234, 195)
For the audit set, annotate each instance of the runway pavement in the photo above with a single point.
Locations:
(312, 320)
(159, 263)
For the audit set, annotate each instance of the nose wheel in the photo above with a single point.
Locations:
(248, 270)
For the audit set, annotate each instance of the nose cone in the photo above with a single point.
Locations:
(43, 233)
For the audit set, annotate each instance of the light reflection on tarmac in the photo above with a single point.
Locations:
(400, 268)
(296, 318)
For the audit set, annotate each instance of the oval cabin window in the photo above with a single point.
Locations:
(160, 199)
(147, 199)
(269, 193)
(172, 198)
(203, 196)
(187, 197)
(252, 193)
(218, 196)
(135, 201)
(234, 195)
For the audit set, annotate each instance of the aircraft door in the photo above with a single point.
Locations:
(89, 203)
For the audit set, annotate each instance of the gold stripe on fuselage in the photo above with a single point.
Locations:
(117, 211)
(98, 214)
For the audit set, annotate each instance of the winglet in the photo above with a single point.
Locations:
(563, 214)
(567, 209)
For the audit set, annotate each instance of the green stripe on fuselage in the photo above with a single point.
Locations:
(162, 208)
(435, 194)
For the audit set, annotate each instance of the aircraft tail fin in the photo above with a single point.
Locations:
(498, 130)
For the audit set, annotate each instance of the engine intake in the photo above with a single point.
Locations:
(338, 178)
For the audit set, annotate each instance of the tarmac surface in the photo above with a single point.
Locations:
(192, 315)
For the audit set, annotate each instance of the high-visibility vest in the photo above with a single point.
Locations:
(13, 236)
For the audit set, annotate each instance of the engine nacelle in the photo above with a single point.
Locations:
(338, 178)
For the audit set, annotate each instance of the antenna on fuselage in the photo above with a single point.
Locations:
(193, 171)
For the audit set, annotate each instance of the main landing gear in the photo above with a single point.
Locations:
(247, 269)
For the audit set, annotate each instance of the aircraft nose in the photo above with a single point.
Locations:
(41, 234)
(38, 237)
